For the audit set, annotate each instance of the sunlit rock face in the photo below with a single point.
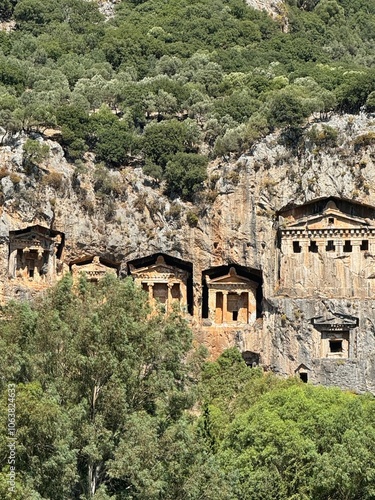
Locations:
(279, 262)
(274, 8)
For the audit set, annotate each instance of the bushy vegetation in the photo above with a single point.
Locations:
(165, 78)
(112, 403)
(101, 392)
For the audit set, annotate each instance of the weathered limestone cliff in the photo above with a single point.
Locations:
(248, 286)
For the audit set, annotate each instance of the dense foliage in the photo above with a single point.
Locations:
(112, 403)
(165, 78)
(101, 391)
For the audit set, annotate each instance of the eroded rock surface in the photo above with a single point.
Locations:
(275, 8)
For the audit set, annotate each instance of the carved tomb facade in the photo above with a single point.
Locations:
(231, 299)
(165, 284)
(331, 253)
(34, 255)
(95, 268)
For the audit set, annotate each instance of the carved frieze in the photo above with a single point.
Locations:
(93, 268)
(334, 323)
(159, 272)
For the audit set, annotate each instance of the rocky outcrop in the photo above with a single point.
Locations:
(7, 26)
(275, 8)
(270, 6)
(122, 216)
(107, 7)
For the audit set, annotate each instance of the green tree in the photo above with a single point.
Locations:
(74, 121)
(370, 102)
(230, 142)
(110, 138)
(355, 89)
(6, 9)
(101, 360)
(34, 152)
(162, 140)
(185, 174)
(290, 442)
(289, 109)
(46, 459)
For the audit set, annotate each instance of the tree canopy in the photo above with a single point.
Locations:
(91, 366)
(112, 402)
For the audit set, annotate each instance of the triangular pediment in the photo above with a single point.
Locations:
(94, 266)
(302, 368)
(92, 262)
(231, 278)
(159, 268)
(331, 217)
(334, 322)
(33, 235)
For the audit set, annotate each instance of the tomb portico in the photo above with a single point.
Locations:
(231, 299)
(95, 268)
(165, 284)
(330, 253)
(302, 371)
(338, 336)
(34, 255)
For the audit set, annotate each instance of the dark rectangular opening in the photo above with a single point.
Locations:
(330, 247)
(296, 247)
(31, 273)
(331, 220)
(204, 300)
(347, 246)
(304, 377)
(160, 292)
(313, 247)
(234, 315)
(364, 245)
(176, 291)
(335, 345)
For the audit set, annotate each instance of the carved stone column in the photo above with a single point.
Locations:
(183, 297)
(12, 263)
(371, 244)
(287, 246)
(225, 306)
(211, 304)
(356, 247)
(168, 305)
(151, 293)
(243, 307)
(251, 306)
(339, 244)
(321, 244)
(305, 243)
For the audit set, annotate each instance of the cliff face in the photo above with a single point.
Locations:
(123, 216)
